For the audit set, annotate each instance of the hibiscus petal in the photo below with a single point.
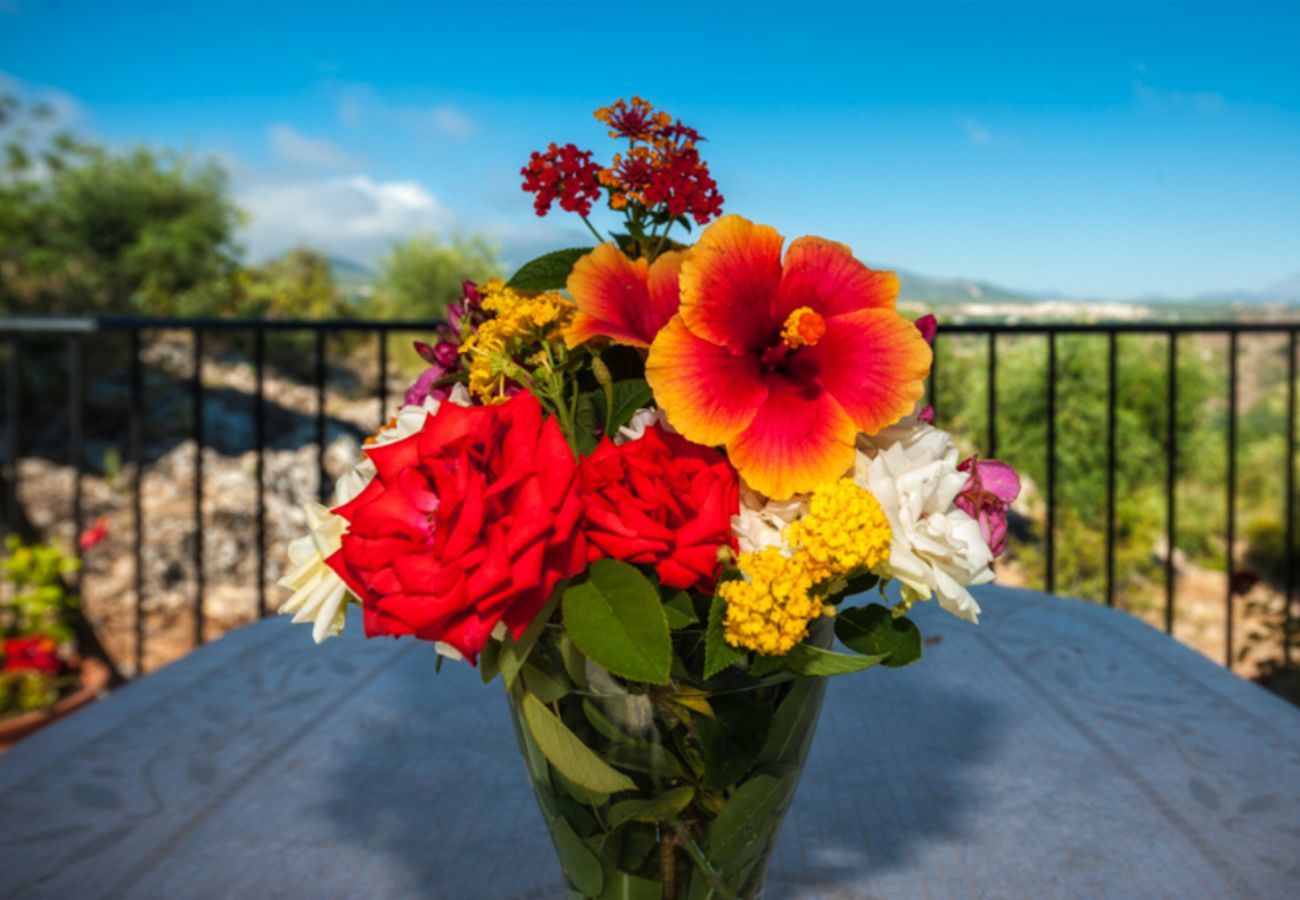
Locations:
(874, 362)
(801, 438)
(627, 300)
(824, 275)
(728, 282)
(709, 394)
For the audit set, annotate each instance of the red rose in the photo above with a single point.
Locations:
(36, 653)
(470, 522)
(664, 502)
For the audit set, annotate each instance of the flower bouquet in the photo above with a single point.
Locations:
(641, 483)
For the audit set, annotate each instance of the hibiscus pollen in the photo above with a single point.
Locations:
(803, 328)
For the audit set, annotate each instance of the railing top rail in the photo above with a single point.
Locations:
(93, 324)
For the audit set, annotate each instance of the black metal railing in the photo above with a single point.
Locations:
(75, 332)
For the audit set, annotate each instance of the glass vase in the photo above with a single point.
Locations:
(707, 768)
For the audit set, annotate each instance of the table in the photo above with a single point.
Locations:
(1059, 749)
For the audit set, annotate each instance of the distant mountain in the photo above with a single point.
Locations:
(351, 277)
(1285, 291)
(926, 289)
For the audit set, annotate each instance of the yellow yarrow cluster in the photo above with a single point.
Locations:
(522, 326)
(844, 531)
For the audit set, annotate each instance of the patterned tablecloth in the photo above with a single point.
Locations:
(1058, 749)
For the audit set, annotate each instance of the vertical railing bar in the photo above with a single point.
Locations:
(1171, 477)
(1288, 622)
(137, 507)
(76, 445)
(383, 375)
(259, 440)
(1112, 372)
(196, 406)
(1229, 611)
(1051, 462)
(13, 415)
(992, 437)
(322, 481)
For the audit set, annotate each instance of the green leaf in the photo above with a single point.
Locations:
(580, 864)
(549, 272)
(543, 681)
(861, 584)
(741, 830)
(874, 631)
(617, 620)
(580, 793)
(791, 729)
(489, 661)
(587, 422)
(680, 610)
(575, 664)
(601, 723)
(765, 665)
(649, 759)
(514, 653)
(730, 744)
(656, 809)
(570, 756)
(806, 659)
(629, 396)
(718, 654)
(622, 886)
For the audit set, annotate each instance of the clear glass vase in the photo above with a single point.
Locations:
(709, 769)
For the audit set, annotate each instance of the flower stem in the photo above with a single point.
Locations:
(592, 229)
(711, 876)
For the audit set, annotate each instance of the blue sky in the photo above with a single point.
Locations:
(1103, 150)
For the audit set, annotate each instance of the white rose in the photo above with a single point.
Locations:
(761, 522)
(937, 549)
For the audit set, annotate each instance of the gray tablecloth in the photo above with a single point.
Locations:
(1056, 750)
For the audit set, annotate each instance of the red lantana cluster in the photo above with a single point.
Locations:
(476, 518)
(661, 171)
(32, 653)
(564, 175)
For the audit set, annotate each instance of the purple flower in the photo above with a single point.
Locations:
(423, 387)
(991, 487)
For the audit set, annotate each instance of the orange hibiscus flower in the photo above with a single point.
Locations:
(620, 298)
(784, 362)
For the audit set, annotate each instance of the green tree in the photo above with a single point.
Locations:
(418, 278)
(87, 230)
(299, 284)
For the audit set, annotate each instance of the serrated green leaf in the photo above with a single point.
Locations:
(656, 809)
(617, 620)
(514, 653)
(580, 864)
(549, 272)
(874, 631)
(571, 757)
(680, 610)
(718, 654)
(805, 659)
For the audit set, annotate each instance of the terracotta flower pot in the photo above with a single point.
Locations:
(94, 679)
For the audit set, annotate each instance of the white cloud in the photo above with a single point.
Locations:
(66, 111)
(360, 105)
(293, 146)
(452, 120)
(976, 132)
(355, 217)
(1160, 98)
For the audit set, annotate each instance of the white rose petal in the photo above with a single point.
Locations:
(937, 549)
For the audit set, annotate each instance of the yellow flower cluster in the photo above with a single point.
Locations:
(522, 326)
(844, 531)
